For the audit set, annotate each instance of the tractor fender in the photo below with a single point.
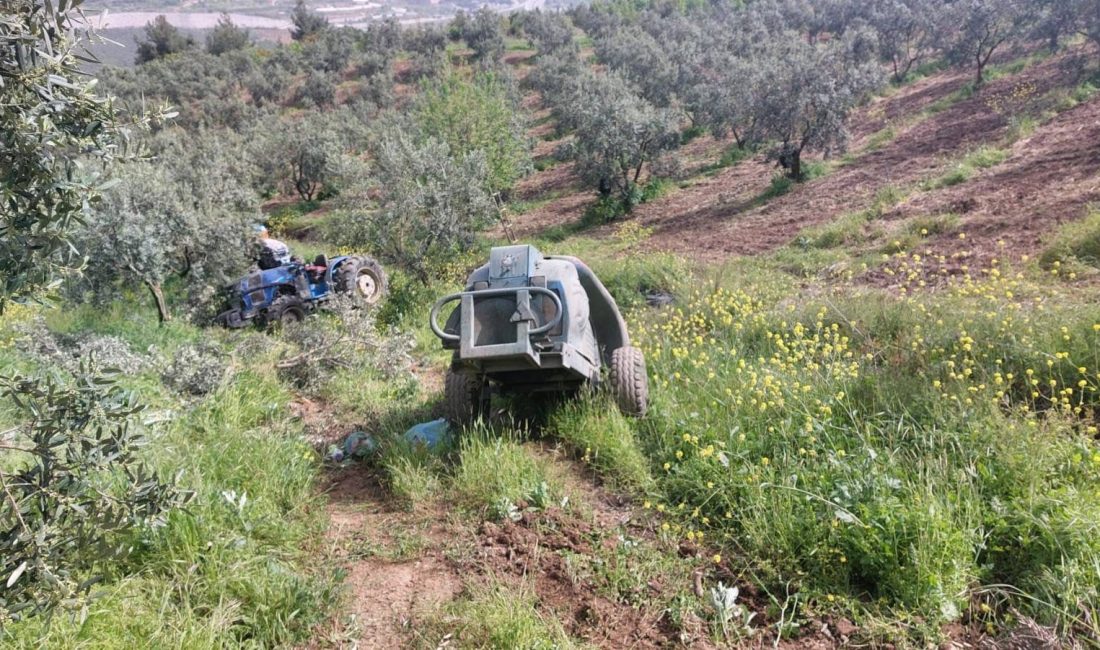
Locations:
(604, 314)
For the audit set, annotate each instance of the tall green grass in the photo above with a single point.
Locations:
(901, 458)
(234, 568)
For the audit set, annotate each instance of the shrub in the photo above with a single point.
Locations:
(79, 491)
(196, 369)
(349, 338)
(477, 115)
(432, 204)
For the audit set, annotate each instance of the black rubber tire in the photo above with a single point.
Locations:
(354, 277)
(629, 381)
(464, 395)
(284, 310)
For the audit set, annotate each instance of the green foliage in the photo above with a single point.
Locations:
(307, 23)
(53, 125)
(981, 158)
(227, 37)
(304, 155)
(768, 421)
(984, 26)
(480, 114)
(1076, 241)
(77, 492)
(497, 617)
(162, 39)
(603, 438)
(185, 214)
(496, 472)
(483, 34)
(616, 132)
(432, 204)
(780, 185)
(549, 31)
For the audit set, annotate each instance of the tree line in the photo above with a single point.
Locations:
(416, 136)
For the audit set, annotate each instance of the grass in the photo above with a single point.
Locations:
(495, 472)
(499, 617)
(234, 568)
(978, 159)
(730, 157)
(855, 228)
(782, 184)
(604, 439)
(1075, 244)
(909, 427)
(881, 138)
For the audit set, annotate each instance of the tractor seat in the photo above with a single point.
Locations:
(318, 269)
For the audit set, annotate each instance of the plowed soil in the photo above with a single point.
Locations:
(717, 218)
(1047, 180)
(1049, 177)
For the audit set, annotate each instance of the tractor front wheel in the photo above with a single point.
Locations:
(363, 279)
(465, 395)
(285, 310)
(629, 382)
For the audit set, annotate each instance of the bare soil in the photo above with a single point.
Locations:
(718, 218)
(1049, 177)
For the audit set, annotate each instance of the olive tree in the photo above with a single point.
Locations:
(227, 37)
(616, 133)
(805, 93)
(638, 57)
(306, 22)
(184, 215)
(484, 35)
(983, 27)
(432, 202)
(318, 90)
(72, 488)
(1090, 22)
(477, 114)
(908, 31)
(549, 32)
(57, 135)
(162, 39)
(302, 155)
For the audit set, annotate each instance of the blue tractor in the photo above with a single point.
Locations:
(288, 292)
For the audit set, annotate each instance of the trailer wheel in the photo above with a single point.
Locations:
(465, 395)
(629, 382)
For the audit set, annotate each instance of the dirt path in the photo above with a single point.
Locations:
(404, 567)
(396, 564)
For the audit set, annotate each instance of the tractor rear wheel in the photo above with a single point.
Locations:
(285, 310)
(629, 382)
(465, 395)
(363, 279)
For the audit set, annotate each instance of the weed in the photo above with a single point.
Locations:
(730, 157)
(881, 138)
(1076, 241)
(779, 186)
(495, 616)
(494, 468)
(604, 439)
